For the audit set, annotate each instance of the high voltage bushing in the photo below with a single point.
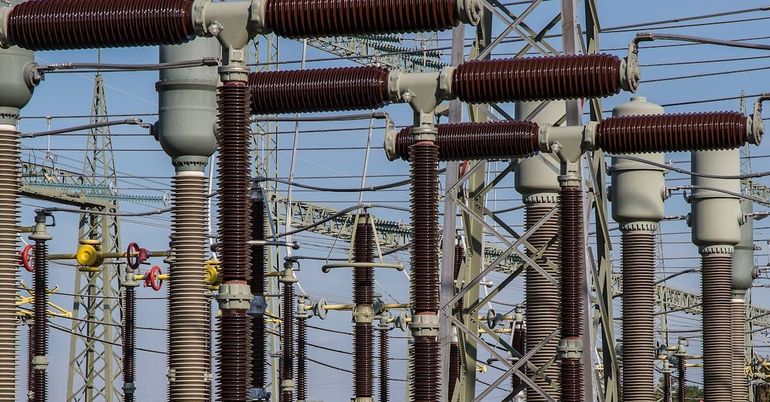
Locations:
(363, 312)
(637, 194)
(620, 135)
(288, 280)
(48, 24)
(258, 307)
(302, 315)
(40, 359)
(383, 329)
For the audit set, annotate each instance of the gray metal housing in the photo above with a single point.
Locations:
(536, 178)
(187, 105)
(743, 256)
(715, 216)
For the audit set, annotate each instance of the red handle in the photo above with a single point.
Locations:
(26, 258)
(132, 255)
(151, 278)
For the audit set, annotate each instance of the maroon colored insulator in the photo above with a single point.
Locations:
(301, 359)
(424, 211)
(321, 90)
(470, 141)
(454, 368)
(85, 24)
(258, 357)
(129, 343)
(314, 18)
(667, 386)
(235, 181)
(287, 359)
(384, 365)
(30, 356)
(40, 387)
(681, 367)
(519, 340)
(537, 78)
(426, 378)
(571, 380)
(233, 352)
(672, 132)
(363, 295)
(572, 266)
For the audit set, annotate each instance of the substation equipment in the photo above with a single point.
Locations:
(189, 132)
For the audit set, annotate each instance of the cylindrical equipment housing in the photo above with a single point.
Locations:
(638, 189)
(187, 105)
(536, 177)
(715, 216)
(744, 271)
(16, 64)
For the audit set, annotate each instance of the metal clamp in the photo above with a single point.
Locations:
(424, 325)
(234, 296)
(363, 313)
(571, 348)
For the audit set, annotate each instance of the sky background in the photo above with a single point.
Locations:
(332, 155)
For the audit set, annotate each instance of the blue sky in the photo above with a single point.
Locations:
(145, 169)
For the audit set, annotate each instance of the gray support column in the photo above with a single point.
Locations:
(743, 275)
(536, 179)
(15, 91)
(637, 195)
(715, 220)
(185, 129)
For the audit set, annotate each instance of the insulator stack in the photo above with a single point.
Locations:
(384, 362)
(672, 132)
(41, 318)
(681, 368)
(234, 342)
(9, 209)
(302, 359)
(258, 267)
(30, 355)
(313, 18)
(667, 386)
(287, 358)
(572, 300)
(363, 295)
(738, 320)
(542, 297)
(716, 284)
(235, 232)
(454, 347)
(187, 292)
(129, 342)
(538, 78)
(424, 263)
(519, 343)
(638, 320)
(469, 141)
(320, 90)
(86, 24)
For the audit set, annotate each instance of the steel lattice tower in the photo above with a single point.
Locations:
(94, 362)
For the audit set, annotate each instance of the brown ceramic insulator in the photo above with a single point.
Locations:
(384, 365)
(363, 251)
(681, 368)
(129, 341)
(667, 387)
(738, 322)
(424, 211)
(10, 176)
(571, 380)
(518, 343)
(364, 371)
(234, 181)
(470, 141)
(572, 271)
(287, 357)
(426, 369)
(258, 356)
(319, 90)
(233, 352)
(638, 315)
(542, 297)
(86, 24)
(538, 78)
(301, 359)
(459, 258)
(30, 355)
(717, 338)
(40, 387)
(672, 132)
(454, 368)
(314, 18)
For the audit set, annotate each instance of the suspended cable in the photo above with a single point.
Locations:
(691, 173)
